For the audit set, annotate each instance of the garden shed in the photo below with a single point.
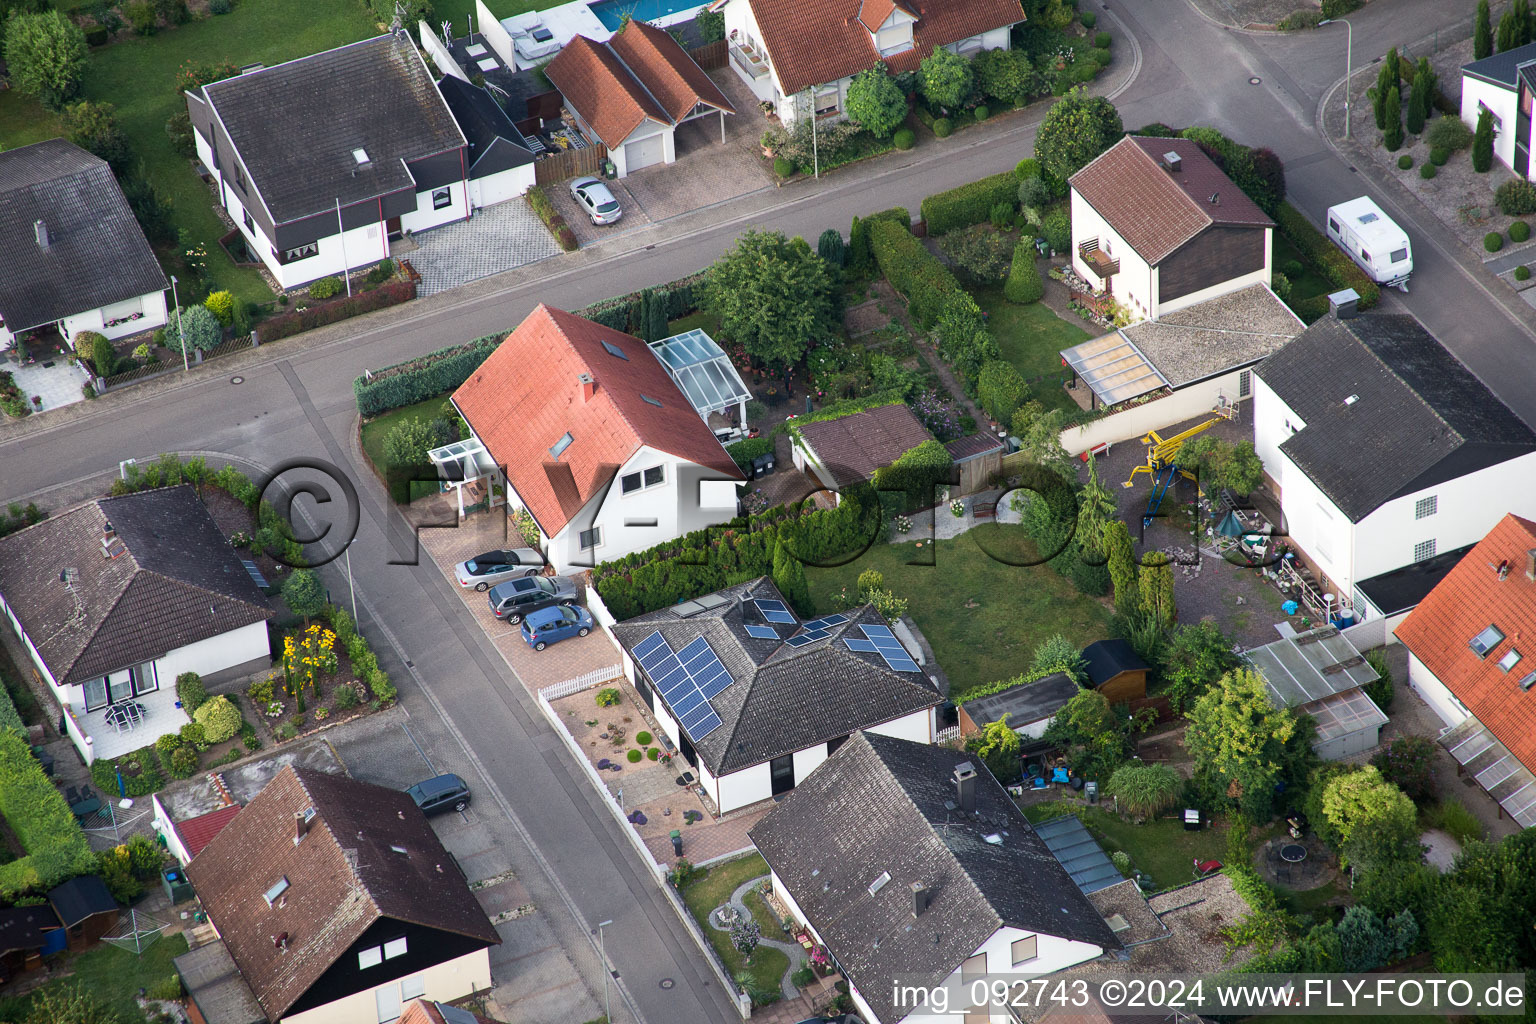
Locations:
(1029, 706)
(86, 909)
(1321, 673)
(1116, 670)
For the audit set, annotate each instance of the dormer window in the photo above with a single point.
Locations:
(894, 35)
(1486, 641)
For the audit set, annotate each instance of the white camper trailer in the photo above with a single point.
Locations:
(1372, 240)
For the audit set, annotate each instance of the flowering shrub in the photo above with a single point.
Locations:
(957, 508)
(903, 524)
(275, 709)
(305, 659)
(939, 414)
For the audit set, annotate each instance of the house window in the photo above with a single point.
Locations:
(239, 177)
(250, 225)
(1025, 949)
(561, 445)
(653, 476)
(95, 693)
(387, 997)
(413, 988)
(302, 252)
(441, 197)
(895, 39)
(826, 101)
(632, 482)
(394, 948)
(1423, 549)
(1510, 660)
(590, 538)
(1245, 384)
(144, 680)
(370, 957)
(1426, 507)
(1486, 641)
(975, 967)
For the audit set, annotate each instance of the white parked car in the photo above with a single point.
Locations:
(489, 568)
(596, 201)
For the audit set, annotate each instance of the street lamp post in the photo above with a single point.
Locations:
(179, 332)
(603, 947)
(1349, 52)
(351, 586)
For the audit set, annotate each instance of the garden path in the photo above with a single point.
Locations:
(789, 949)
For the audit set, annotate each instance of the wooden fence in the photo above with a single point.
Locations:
(137, 373)
(710, 55)
(568, 163)
(228, 347)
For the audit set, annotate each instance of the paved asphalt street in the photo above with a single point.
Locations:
(295, 399)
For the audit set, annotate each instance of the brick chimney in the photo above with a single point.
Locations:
(588, 386)
(965, 786)
(919, 899)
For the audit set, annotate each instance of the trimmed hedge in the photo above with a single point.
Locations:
(10, 718)
(970, 203)
(1493, 241)
(1330, 260)
(904, 138)
(41, 821)
(392, 293)
(622, 312)
(424, 377)
(1024, 284)
(1404, 162)
(913, 271)
(365, 664)
(1522, 273)
(743, 452)
(1427, 171)
(1519, 231)
(149, 779)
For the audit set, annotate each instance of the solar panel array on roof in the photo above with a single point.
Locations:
(880, 640)
(1077, 851)
(762, 632)
(674, 675)
(808, 638)
(825, 622)
(775, 611)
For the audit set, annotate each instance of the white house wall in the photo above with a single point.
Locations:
(646, 130)
(150, 307)
(424, 216)
(1499, 99)
(363, 246)
(1384, 540)
(1132, 286)
(1133, 423)
(163, 824)
(741, 26)
(501, 186)
(228, 651)
(1260, 276)
(445, 982)
(1435, 693)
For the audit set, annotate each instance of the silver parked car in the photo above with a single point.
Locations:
(596, 200)
(489, 568)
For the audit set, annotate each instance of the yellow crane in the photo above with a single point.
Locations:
(1163, 453)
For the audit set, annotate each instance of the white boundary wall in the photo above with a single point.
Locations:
(439, 53)
(495, 35)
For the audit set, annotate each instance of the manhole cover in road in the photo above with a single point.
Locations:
(237, 380)
(1255, 81)
(667, 983)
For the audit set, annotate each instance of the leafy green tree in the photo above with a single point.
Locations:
(1144, 789)
(1376, 822)
(304, 594)
(71, 1003)
(1077, 128)
(774, 297)
(1095, 508)
(1509, 32)
(1058, 654)
(1392, 135)
(1236, 737)
(93, 127)
(1001, 390)
(197, 325)
(1221, 464)
(944, 78)
(1392, 67)
(1006, 75)
(219, 718)
(1095, 739)
(1122, 567)
(1363, 941)
(1157, 588)
(997, 744)
(46, 54)
(1418, 103)
(1039, 434)
(1194, 659)
(876, 102)
(1385, 83)
(1482, 142)
(1482, 36)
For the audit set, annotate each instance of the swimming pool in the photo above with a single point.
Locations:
(611, 12)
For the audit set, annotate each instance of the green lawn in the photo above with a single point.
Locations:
(1031, 338)
(458, 10)
(1309, 283)
(714, 887)
(1161, 848)
(139, 76)
(984, 617)
(112, 975)
(375, 430)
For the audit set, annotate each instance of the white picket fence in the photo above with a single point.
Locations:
(582, 682)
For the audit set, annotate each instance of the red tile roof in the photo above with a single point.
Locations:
(812, 42)
(198, 832)
(640, 73)
(420, 1011)
(594, 83)
(1156, 211)
(528, 394)
(1467, 601)
(666, 71)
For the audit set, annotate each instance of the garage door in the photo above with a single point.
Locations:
(644, 153)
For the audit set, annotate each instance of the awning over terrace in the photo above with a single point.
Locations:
(1114, 369)
(1497, 770)
(703, 371)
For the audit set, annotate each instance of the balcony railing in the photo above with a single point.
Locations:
(1097, 259)
(750, 61)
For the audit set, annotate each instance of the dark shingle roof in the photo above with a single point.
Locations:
(884, 805)
(1402, 589)
(1108, 658)
(1418, 418)
(1024, 703)
(25, 928)
(96, 255)
(176, 581)
(342, 877)
(783, 698)
(81, 897)
(1500, 68)
(495, 144)
(852, 447)
(295, 125)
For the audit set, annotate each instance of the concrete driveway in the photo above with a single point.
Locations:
(496, 239)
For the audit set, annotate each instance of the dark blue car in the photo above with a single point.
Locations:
(551, 625)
